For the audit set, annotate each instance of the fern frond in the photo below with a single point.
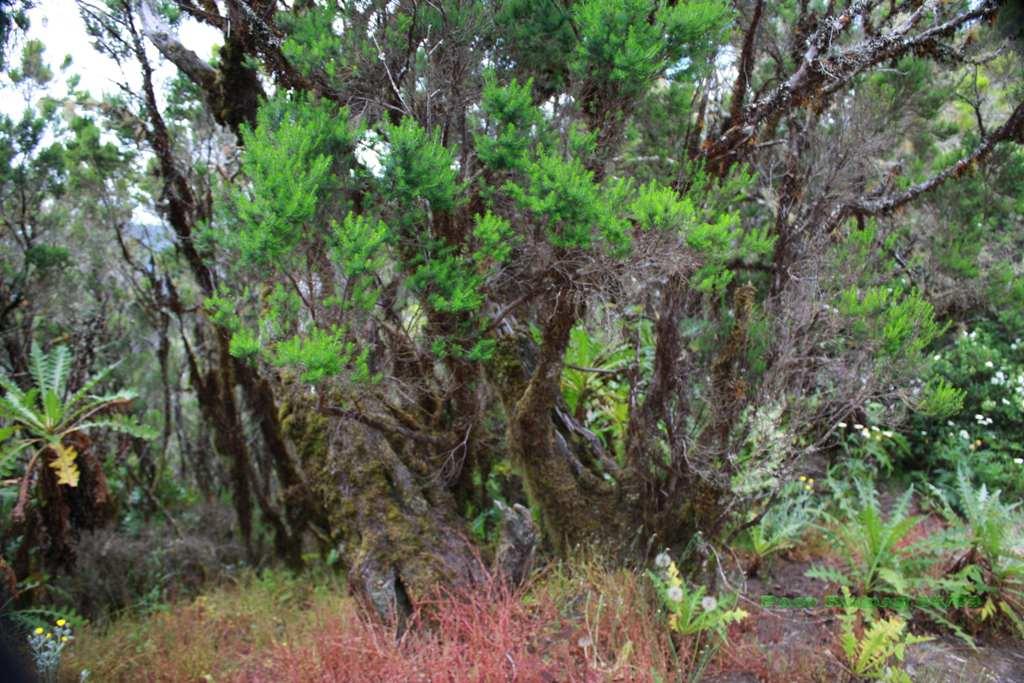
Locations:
(90, 384)
(121, 424)
(10, 387)
(15, 408)
(96, 404)
(50, 370)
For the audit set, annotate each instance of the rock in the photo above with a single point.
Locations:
(517, 543)
(949, 661)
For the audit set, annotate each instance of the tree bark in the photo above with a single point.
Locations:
(401, 535)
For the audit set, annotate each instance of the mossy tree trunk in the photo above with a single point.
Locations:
(400, 535)
(567, 477)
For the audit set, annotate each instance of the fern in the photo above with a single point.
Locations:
(868, 543)
(42, 418)
(992, 564)
(50, 370)
(875, 654)
(782, 525)
(44, 617)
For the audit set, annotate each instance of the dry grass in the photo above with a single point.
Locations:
(212, 637)
(571, 623)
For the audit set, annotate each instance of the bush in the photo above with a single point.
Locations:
(117, 570)
(987, 364)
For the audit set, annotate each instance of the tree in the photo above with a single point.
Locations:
(52, 425)
(434, 198)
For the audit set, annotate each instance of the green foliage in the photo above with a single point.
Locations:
(293, 158)
(577, 212)
(875, 446)
(512, 121)
(940, 399)
(621, 48)
(694, 613)
(875, 653)
(419, 172)
(536, 38)
(901, 325)
(868, 544)
(987, 536)
(691, 610)
(784, 522)
(592, 387)
(45, 415)
(312, 43)
(360, 252)
(984, 368)
(319, 354)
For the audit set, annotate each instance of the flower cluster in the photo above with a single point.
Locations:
(987, 364)
(690, 610)
(807, 482)
(47, 647)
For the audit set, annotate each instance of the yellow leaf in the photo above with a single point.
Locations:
(64, 464)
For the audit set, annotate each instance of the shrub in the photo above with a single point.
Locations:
(987, 365)
(118, 570)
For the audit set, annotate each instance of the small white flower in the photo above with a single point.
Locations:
(841, 425)
(674, 593)
(965, 435)
(858, 426)
(888, 434)
(1019, 461)
(708, 603)
(662, 561)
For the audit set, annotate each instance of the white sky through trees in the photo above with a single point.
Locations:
(58, 24)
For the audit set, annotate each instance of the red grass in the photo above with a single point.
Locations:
(490, 634)
(484, 635)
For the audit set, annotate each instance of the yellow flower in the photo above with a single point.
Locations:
(672, 622)
(809, 488)
(61, 622)
(63, 639)
(802, 478)
(39, 630)
(49, 635)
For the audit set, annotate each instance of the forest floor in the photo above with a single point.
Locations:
(570, 624)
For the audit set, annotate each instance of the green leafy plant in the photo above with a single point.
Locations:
(49, 423)
(990, 561)
(692, 612)
(867, 541)
(874, 650)
(781, 526)
(593, 388)
(982, 371)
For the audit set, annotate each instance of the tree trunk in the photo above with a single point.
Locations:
(560, 471)
(401, 534)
